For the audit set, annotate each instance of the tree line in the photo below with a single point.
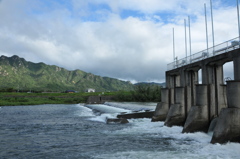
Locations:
(141, 93)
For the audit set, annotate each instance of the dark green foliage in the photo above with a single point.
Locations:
(124, 96)
(141, 93)
(42, 98)
(146, 93)
(18, 75)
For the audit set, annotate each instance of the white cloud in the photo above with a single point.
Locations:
(133, 48)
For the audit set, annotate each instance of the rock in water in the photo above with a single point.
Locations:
(116, 120)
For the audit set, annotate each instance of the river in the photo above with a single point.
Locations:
(80, 131)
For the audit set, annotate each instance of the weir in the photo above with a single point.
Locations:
(194, 106)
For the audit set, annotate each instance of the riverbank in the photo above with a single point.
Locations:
(14, 98)
(140, 94)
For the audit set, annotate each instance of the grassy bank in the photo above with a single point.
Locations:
(141, 93)
(12, 99)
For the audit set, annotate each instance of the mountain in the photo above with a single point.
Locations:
(17, 73)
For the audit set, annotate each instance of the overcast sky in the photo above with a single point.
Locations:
(124, 39)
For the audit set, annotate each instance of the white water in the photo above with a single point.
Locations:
(78, 131)
(135, 106)
(84, 111)
(185, 146)
(188, 145)
(106, 109)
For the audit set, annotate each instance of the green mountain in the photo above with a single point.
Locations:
(17, 73)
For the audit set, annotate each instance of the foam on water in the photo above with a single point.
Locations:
(75, 131)
(188, 145)
(182, 146)
(83, 111)
(103, 117)
(104, 112)
(147, 155)
(106, 109)
(136, 106)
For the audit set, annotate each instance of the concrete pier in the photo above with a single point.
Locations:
(198, 117)
(196, 106)
(162, 108)
(228, 124)
(176, 113)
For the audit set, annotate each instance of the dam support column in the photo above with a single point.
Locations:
(198, 118)
(191, 82)
(176, 113)
(236, 66)
(213, 76)
(228, 125)
(162, 108)
(220, 91)
(209, 78)
(172, 81)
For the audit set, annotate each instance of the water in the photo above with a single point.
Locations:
(81, 132)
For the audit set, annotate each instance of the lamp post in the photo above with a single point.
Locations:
(173, 47)
(238, 20)
(206, 25)
(185, 26)
(190, 46)
(212, 26)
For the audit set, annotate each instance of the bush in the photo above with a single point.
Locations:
(141, 93)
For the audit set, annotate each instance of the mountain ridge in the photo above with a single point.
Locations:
(17, 73)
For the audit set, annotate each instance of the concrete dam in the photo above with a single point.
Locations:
(210, 105)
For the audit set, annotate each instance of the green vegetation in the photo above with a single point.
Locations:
(21, 75)
(141, 93)
(13, 99)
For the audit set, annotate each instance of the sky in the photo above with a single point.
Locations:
(130, 40)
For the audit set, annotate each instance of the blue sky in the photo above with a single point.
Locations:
(124, 39)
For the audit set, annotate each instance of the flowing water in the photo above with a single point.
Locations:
(80, 131)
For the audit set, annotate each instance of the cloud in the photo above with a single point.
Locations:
(138, 48)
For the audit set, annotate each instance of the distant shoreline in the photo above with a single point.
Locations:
(18, 99)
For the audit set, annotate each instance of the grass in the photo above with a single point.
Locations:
(140, 94)
(14, 99)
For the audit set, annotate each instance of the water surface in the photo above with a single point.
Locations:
(79, 131)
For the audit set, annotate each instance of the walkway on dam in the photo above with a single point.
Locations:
(210, 52)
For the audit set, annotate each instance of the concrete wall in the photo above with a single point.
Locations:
(198, 117)
(228, 125)
(162, 108)
(176, 113)
(194, 106)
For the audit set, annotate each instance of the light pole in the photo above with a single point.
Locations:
(238, 20)
(206, 25)
(190, 46)
(212, 26)
(173, 47)
(185, 25)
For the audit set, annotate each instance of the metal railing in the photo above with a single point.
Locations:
(210, 52)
